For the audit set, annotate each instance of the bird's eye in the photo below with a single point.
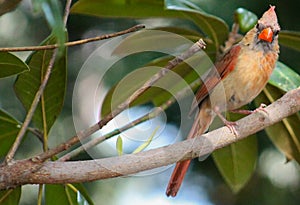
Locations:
(260, 26)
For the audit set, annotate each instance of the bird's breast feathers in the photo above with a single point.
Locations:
(250, 75)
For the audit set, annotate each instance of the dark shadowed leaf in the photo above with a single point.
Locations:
(10, 196)
(28, 83)
(290, 39)
(285, 134)
(9, 128)
(11, 65)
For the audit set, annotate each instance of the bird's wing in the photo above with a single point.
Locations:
(221, 69)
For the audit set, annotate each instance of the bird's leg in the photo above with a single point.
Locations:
(248, 112)
(229, 124)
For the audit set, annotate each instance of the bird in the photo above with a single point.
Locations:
(236, 78)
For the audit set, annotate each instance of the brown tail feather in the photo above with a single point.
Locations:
(201, 124)
(177, 177)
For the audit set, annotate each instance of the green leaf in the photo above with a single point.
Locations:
(290, 39)
(246, 19)
(237, 162)
(11, 65)
(145, 144)
(59, 194)
(8, 5)
(9, 128)
(121, 8)
(119, 145)
(28, 83)
(10, 196)
(284, 77)
(285, 135)
(215, 28)
(69, 194)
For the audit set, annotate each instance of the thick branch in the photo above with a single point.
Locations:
(30, 172)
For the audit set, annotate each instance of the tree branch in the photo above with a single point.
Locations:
(73, 43)
(31, 172)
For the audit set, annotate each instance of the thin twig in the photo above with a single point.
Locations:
(73, 43)
(100, 139)
(31, 110)
(67, 11)
(199, 45)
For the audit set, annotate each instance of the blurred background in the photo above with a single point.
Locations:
(274, 182)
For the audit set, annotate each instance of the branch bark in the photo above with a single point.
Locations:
(36, 172)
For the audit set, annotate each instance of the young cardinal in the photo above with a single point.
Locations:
(238, 77)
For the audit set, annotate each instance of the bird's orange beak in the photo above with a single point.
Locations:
(266, 34)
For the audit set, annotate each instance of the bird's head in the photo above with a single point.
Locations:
(265, 33)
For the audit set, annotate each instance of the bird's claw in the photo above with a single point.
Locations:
(231, 125)
(261, 108)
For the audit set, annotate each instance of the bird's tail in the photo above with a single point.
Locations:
(201, 124)
(177, 177)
